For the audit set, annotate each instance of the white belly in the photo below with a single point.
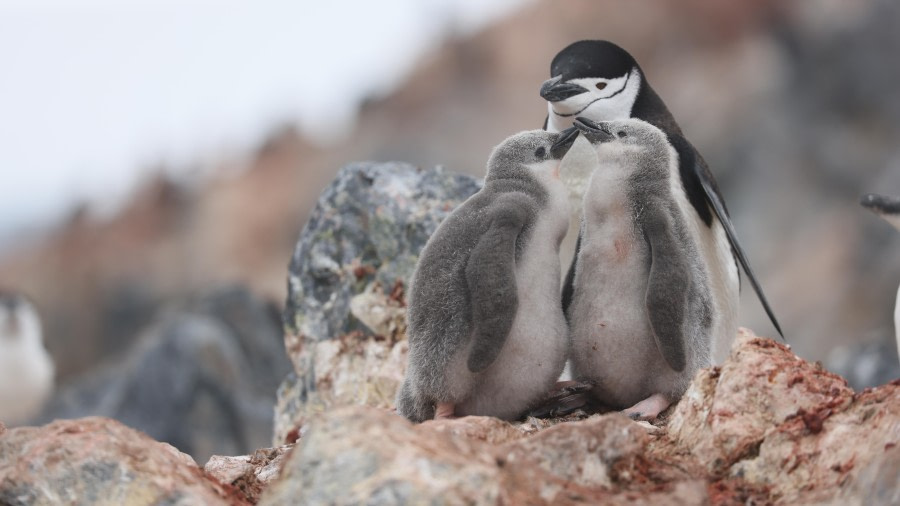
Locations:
(26, 382)
(612, 344)
(897, 321)
(535, 351)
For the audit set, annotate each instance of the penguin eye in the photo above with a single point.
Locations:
(540, 152)
(621, 133)
(601, 85)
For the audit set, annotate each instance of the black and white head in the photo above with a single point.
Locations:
(536, 151)
(595, 79)
(886, 207)
(20, 325)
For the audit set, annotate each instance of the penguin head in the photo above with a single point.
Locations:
(628, 132)
(884, 206)
(18, 320)
(536, 152)
(592, 78)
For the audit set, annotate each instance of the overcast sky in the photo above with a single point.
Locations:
(94, 94)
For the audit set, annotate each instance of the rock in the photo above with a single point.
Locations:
(257, 325)
(810, 456)
(784, 425)
(765, 427)
(877, 483)
(202, 379)
(580, 453)
(98, 460)
(345, 311)
(728, 410)
(359, 454)
(248, 473)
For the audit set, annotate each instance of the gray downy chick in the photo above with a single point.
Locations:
(487, 335)
(645, 311)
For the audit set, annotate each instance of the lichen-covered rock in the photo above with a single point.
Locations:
(248, 473)
(100, 461)
(728, 410)
(345, 312)
(369, 225)
(876, 483)
(807, 458)
(361, 455)
(583, 452)
(792, 434)
(765, 427)
(786, 426)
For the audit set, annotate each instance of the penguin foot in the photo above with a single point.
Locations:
(649, 408)
(444, 410)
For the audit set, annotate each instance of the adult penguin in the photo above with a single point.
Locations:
(600, 81)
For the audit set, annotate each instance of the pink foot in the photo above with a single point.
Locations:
(444, 410)
(649, 408)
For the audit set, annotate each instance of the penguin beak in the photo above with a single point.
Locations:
(880, 204)
(563, 143)
(593, 131)
(554, 90)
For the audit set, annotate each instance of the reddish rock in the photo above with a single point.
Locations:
(250, 474)
(479, 428)
(582, 452)
(359, 454)
(95, 460)
(765, 428)
(808, 462)
(727, 411)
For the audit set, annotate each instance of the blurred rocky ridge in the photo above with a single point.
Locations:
(202, 378)
(792, 104)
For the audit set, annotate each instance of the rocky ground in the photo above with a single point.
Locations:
(764, 427)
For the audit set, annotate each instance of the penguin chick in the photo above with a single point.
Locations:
(644, 312)
(26, 370)
(600, 81)
(889, 209)
(487, 335)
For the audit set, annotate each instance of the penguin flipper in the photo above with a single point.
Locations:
(667, 298)
(712, 195)
(568, 289)
(491, 278)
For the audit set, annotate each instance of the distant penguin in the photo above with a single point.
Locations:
(600, 81)
(644, 314)
(487, 335)
(26, 370)
(889, 209)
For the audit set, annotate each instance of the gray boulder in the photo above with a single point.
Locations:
(202, 379)
(345, 284)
